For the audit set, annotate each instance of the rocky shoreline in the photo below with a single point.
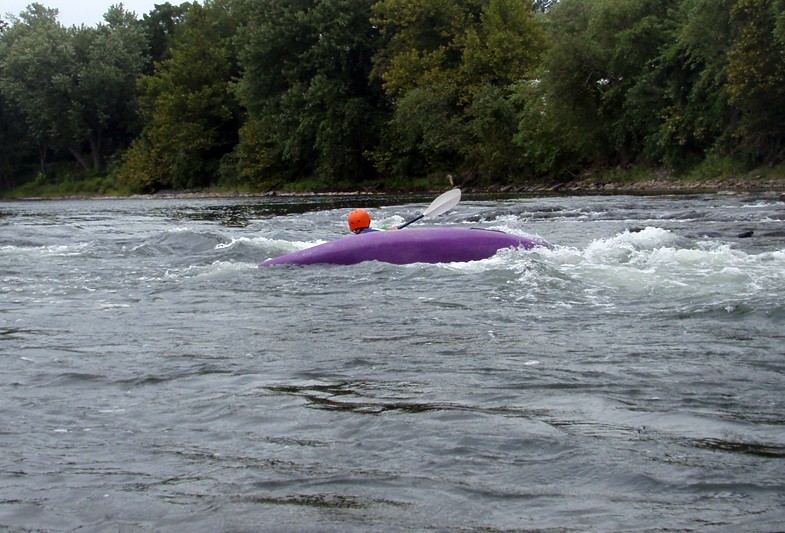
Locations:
(655, 186)
(590, 185)
(664, 186)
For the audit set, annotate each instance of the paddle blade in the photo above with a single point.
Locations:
(443, 203)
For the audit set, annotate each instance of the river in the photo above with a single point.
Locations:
(628, 378)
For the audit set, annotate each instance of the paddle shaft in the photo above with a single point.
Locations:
(412, 220)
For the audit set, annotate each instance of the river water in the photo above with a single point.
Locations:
(631, 377)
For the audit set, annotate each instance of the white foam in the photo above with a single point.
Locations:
(264, 242)
(214, 269)
(655, 261)
(53, 250)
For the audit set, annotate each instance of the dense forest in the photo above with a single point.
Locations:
(342, 94)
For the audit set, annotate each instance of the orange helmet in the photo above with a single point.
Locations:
(359, 219)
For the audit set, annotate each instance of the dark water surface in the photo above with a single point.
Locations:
(630, 378)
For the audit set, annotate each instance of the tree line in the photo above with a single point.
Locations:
(336, 94)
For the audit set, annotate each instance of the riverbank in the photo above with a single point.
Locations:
(665, 185)
(591, 184)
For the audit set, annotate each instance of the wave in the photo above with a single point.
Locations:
(216, 269)
(265, 244)
(179, 241)
(660, 258)
(50, 250)
(654, 265)
(651, 267)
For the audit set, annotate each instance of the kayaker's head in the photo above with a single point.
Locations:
(359, 219)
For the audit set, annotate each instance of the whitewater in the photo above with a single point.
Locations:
(627, 377)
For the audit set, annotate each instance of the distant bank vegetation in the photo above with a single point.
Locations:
(254, 95)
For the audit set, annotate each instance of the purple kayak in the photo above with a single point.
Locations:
(416, 245)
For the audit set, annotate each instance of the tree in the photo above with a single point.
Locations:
(15, 146)
(502, 48)
(74, 87)
(312, 111)
(756, 79)
(14, 143)
(36, 58)
(102, 90)
(499, 53)
(695, 115)
(491, 125)
(594, 87)
(444, 62)
(159, 26)
(423, 45)
(191, 117)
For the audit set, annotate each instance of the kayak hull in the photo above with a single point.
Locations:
(416, 245)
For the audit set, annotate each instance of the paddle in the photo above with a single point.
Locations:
(442, 204)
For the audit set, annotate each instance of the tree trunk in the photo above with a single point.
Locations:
(42, 157)
(79, 156)
(5, 179)
(96, 146)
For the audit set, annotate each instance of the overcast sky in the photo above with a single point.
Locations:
(88, 12)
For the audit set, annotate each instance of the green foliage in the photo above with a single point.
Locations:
(159, 27)
(74, 87)
(690, 77)
(312, 109)
(503, 48)
(109, 58)
(423, 45)
(716, 167)
(721, 82)
(449, 66)
(545, 145)
(16, 151)
(36, 63)
(560, 120)
(491, 125)
(69, 183)
(596, 76)
(756, 79)
(191, 116)
(321, 94)
(426, 126)
(455, 47)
